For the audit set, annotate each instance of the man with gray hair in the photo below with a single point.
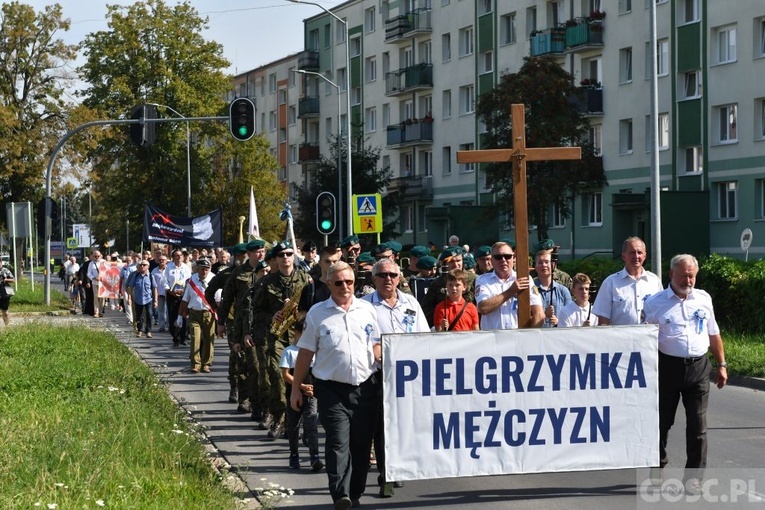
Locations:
(687, 331)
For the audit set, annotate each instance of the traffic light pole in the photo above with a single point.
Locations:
(52, 161)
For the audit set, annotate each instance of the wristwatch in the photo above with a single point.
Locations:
(722, 365)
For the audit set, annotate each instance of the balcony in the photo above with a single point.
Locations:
(308, 60)
(415, 187)
(410, 24)
(410, 78)
(409, 133)
(308, 106)
(547, 41)
(308, 153)
(584, 34)
(588, 100)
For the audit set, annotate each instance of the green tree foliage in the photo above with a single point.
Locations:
(368, 178)
(156, 53)
(552, 120)
(33, 109)
(736, 288)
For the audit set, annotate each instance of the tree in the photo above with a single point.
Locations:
(368, 178)
(155, 53)
(32, 106)
(552, 119)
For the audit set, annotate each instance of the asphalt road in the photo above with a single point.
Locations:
(736, 441)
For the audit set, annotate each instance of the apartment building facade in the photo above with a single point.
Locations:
(417, 67)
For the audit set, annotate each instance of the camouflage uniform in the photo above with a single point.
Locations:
(260, 385)
(235, 365)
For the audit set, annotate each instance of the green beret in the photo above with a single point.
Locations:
(270, 254)
(449, 252)
(468, 261)
(510, 241)
(261, 266)
(349, 241)
(545, 244)
(419, 251)
(426, 262)
(395, 246)
(239, 249)
(280, 247)
(365, 257)
(379, 249)
(256, 244)
(482, 251)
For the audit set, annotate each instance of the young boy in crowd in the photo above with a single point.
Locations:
(579, 311)
(308, 412)
(454, 313)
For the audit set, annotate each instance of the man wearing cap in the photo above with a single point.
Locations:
(482, 256)
(451, 258)
(415, 254)
(234, 297)
(497, 293)
(351, 249)
(176, 273)
(310, 258)
(558, 276)
(384, 251)
(276, 289)
(201, 318)
(420, 282)
(235, 359)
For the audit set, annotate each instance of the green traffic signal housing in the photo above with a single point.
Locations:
(241, 119)
(326, 213)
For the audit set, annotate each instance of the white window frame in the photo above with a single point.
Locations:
(693, 160)
(595, 209)
(761, 197)
(690, 85)
(466, 168)
(725, 44)
(370, 19)
(625, 65)
(689, 11)
(727, 200)
(727, 123)
(663, 128)
(272, 83)
(625, 6)
(446, 47)
(626, 135)
(760, 118)
(485, 7)
(662, 57)
(486, 62)
(272, 120)
(427, 163)
(355, 46)
(508, 33)
(370, 119)
(759, 50)
(292, 114)
(408, 219)
(595, 135)
(341, 80)
(356, 96)
(370, 71)
(340, 31)
(466, 41)
(446, 104)
(557, 218)
(293, 154)
(446, 160)
(467, 99)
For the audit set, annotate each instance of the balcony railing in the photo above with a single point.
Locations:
(582, 33)
(308, 60)
(416, 21)
(420, 187)
(410, 133)
(550, 40)
(308, 106)
(309, 152)
(410, 78)
(588, 100)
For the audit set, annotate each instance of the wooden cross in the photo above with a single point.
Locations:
(519, 155)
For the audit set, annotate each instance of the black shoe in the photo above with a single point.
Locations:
(316, 464)
(184, 343)
(256, 415)
(233, 396)
(343, 503)
(398, 485)
(294, 461)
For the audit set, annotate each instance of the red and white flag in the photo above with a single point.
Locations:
(254, 229)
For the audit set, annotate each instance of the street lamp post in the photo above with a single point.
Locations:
(188, 155)
(339, 132)
(348, 105)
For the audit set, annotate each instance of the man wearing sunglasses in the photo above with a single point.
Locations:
(276, 289)
(342, 336)
(450, 259)
(497, 292)
(351, 249)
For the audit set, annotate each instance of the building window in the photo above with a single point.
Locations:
(446, 160)
(466, 41)
(355, 46)
(425, 52)
(446, 105)
(694, 160)
(293, 154)
(283, 173)
(340, 31)
(272, 120)
(422, 224)
(725, 44)
(507, 29)
(467, 99)
(291, 77)
(663, 131)
(282, 96)
(727, 120)
(595, 209)
(662, 57)
(727, 200)
(292, 115)
(691, 85)
(759, 118)
(426, 163)
(356, 96)
(369, 20)
(689, 11)
(467, 167)
(759, 50)
(625, 6)
(408, 218)
(595, 135)
(625, 136)
(446, 47)
(272, 83)
(342, 82)
(625, 65)
(485, 7)
(558, 219)
(531, 21)
(486, 62)
(370, 120)
(760, 198)
(313, 40)
(370, 69)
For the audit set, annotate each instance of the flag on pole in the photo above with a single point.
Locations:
(254, 229)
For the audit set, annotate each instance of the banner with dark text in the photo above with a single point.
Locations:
(200, 231)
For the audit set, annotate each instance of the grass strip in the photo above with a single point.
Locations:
(85, 424)
(27, 300)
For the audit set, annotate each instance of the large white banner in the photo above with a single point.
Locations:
(520, 401)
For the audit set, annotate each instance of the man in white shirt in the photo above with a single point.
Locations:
(160, 283)
(72, 269)
(342, 333)
(176, 273)
(621, 295)
(497, 293)
(201, 318)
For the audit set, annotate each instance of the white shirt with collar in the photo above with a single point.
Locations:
(177, 275)
(506, 316)
(572, 315)
(93, 269)
(684, 324)
(194, 301)
(405, 317)
(160, 280)
(342, 341)
(620, 297)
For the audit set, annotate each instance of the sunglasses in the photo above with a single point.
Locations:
(340, 283)
(387, 275)
(285, 254)
(500, 256)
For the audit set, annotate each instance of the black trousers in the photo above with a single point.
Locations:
(348, 414)
(173, 304)
(680, 378)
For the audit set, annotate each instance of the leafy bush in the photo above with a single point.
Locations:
(597, 268)
(737, 289)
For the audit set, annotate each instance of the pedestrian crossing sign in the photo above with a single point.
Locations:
(71, 243)
(367, 214)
